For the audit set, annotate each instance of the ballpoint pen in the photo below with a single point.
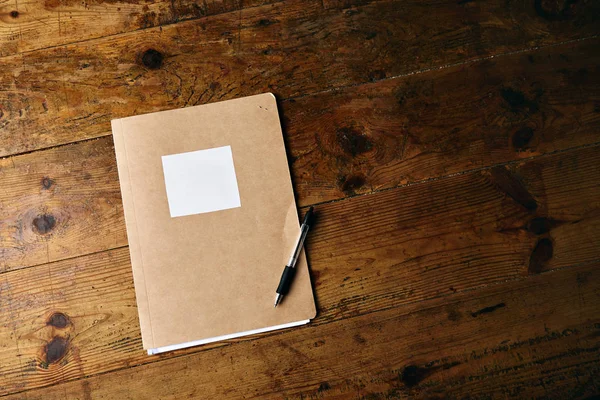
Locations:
(290, 269)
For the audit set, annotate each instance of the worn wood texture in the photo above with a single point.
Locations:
(296, 47)
(470, 271)
(58, 204)
(538, 337)
(73, 304)
(28, 25)
(341, 143)
(397, 131)
(380, 252)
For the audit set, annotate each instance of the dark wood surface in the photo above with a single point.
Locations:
(452, 150)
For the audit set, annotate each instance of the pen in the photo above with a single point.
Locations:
(290, 269)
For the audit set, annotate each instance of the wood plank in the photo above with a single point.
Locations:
(292, 48)
(417, 127)
(68, 304)
(368, 253)
(28, 25)
(60, 203)
(458, 233)
(548, 346)
(340, 143)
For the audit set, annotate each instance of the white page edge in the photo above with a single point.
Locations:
(172, 347)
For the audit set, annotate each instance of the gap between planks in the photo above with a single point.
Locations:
(376, 191)
(352, 85)
(325, 322)
(252, 338)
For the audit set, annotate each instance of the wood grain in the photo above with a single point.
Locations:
(457, 233)
(28, 25)
(536, 337)
(478, 279)
(341, 143)
(397, 131)
(68, 93)
(58, 204)
(47, 309)
(380, 252)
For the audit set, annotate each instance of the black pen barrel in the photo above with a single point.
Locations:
(286, 280)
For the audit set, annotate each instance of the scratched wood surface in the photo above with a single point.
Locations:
(28, 25)
(59, 203)
(292, 48)
(500, 224)
(352, 141)
(523, 339)
(460, 141)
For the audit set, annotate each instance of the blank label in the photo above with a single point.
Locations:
(201, 181)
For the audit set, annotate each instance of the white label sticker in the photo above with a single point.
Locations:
(201, 181)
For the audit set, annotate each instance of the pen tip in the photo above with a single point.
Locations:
(277, 300)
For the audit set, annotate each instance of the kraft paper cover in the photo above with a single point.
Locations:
(210, 274)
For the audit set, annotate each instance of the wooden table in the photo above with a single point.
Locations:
(452, 149)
